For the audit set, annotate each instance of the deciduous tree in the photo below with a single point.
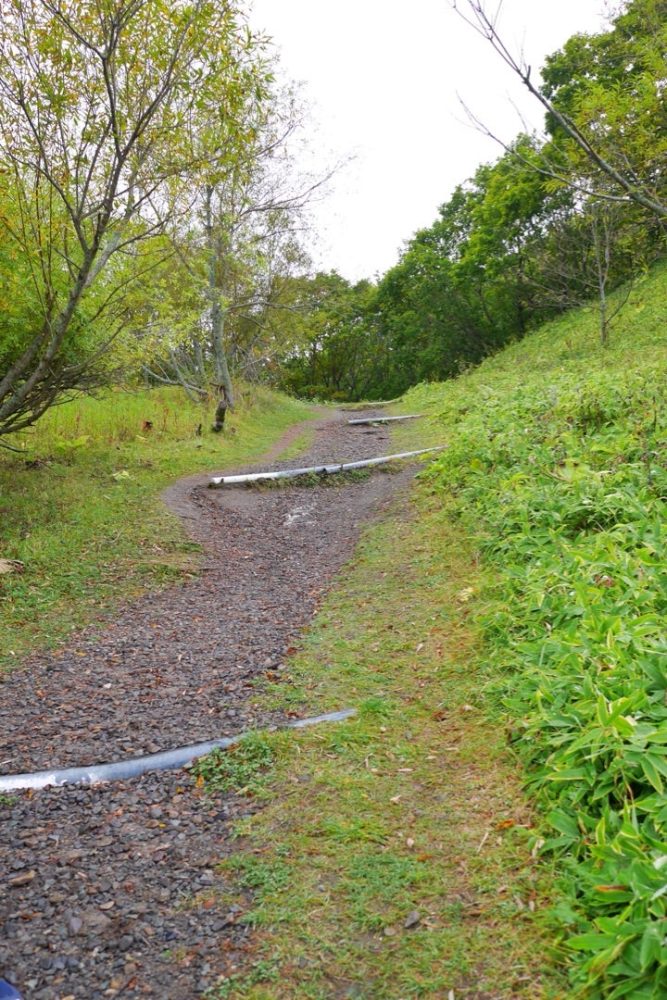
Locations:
(97, 104)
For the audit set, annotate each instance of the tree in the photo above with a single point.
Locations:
(243, 248)
(336, 352)
(464, 286)
(604, 97)
(97, 106)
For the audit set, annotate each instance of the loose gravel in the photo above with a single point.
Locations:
(108, 890)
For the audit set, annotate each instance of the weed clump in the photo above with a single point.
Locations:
(240, 768)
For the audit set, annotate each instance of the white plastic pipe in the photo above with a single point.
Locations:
(255, 477)
(385, 420)
(132, 767)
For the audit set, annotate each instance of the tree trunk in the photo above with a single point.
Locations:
(223, 382)
(602, 246)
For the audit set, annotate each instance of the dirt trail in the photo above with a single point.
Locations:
(95, 880)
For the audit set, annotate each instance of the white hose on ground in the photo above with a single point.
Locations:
(133, 767)
(255, 477)
(385, 420)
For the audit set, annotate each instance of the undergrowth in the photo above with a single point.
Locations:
(556, 467)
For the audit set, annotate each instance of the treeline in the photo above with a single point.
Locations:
(558, 220)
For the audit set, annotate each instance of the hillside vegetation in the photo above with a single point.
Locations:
(556, 468)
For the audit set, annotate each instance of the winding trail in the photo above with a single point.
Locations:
(98, 882)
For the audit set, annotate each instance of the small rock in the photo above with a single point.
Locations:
(412, 919)
(96, 923)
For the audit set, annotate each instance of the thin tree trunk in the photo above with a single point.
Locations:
(223, 381)
(601, 241)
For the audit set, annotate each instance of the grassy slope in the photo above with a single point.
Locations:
(556, 471)
(81, 509)
(415, 808)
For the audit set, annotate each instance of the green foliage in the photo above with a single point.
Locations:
(610, 85)
(110, 111)
(559, 470)
(334, 352)
(238, 768)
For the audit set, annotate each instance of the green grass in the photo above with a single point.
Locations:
(238, 768)
(392, 856)
(81, 508)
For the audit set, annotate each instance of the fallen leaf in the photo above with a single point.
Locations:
(23, 879)
(11, 566)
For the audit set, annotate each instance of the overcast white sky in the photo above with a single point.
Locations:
(382, 78)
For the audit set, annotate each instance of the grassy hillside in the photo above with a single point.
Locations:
(80, 502)
(556, 471)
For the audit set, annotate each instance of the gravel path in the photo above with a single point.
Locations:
(98, 883)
